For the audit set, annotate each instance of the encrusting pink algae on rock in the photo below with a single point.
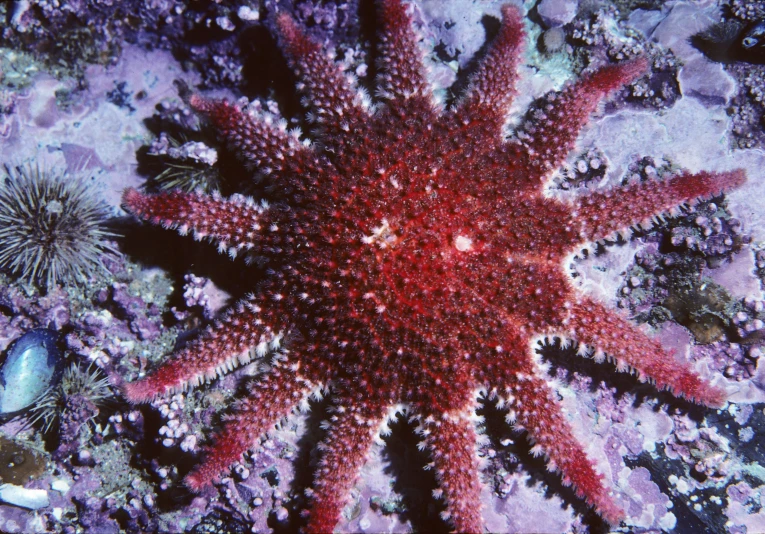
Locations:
(481, 212)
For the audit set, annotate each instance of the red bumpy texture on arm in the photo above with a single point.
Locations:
(452, 444)
(603, 213)
(593, 324)
(492, 86)
(220, 348)
(260, 140)
(513, 376)
(335, 104)
(345, 449)
(400, 59)
(556, 127)
(233, 223)
(269, 400)
(541, 416)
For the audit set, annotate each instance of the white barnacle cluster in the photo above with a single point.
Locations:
(711, 232)
(166, 474)
(175, 430)
(750, 319)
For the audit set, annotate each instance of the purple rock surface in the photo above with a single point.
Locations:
(104, 95)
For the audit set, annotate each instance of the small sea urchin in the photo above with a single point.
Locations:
(51, 227)
(80, 387)
(188, 165)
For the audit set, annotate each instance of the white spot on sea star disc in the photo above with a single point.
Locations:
(462, 243)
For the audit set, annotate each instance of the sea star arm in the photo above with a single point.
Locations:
(270, 399)
(352, 430)
(400, 58)
(336, 105)
(492, 86)
(591, 323)
(451, 440)
(533, 408)
(260, 140)
(513, 376)
(234, 223)
(219, 349)
(603, 213)
(550, 136)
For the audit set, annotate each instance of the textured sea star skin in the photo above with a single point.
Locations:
(413, 258)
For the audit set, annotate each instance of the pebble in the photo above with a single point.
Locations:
(31, 499)
(282, 514)
(60, 485)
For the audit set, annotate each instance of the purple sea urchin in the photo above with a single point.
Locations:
(188, 165)
(51, 228)
(71, 406)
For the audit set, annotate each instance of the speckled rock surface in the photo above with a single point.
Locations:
(676, 468)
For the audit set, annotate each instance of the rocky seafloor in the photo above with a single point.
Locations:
(91, 92)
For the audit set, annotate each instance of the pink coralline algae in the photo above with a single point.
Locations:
(413, 256)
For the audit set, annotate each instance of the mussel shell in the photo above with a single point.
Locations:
(31, 366)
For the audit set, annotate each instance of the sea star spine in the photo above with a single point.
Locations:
(452, 444)
(532, 406)
(603, 213)
(551, 134)
(335, 103)
(220, 348)
(492, 86)
(535, 409)
(400, 58)
(260, 139)
(234, 223)
(269, 400)
(632, 349)
(351, 432)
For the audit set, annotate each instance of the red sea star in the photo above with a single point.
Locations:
(413, 256)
